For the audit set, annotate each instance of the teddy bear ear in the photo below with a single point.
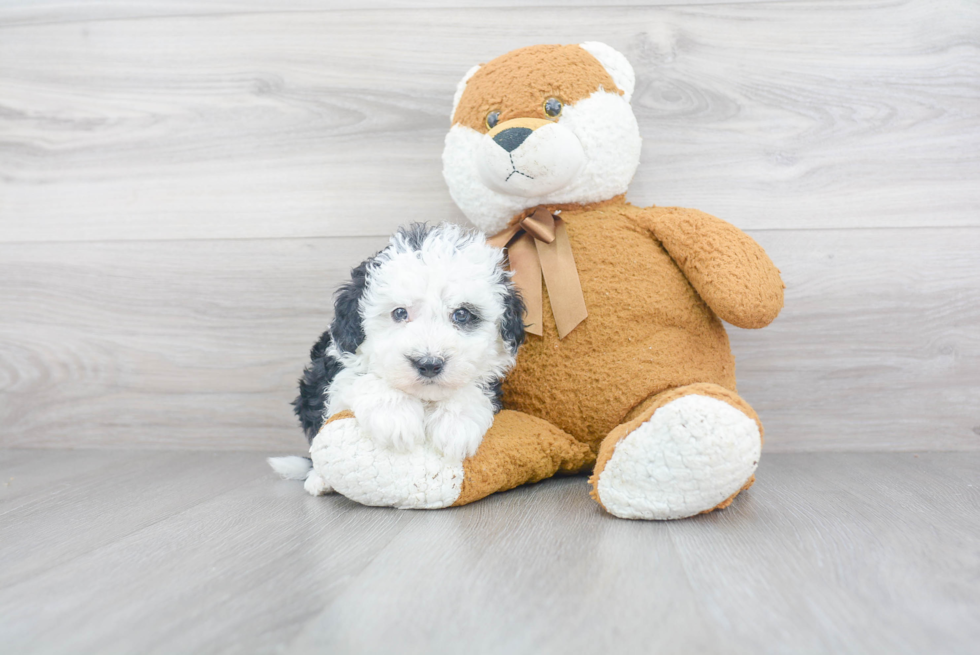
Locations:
(462, 87)
(615, 64)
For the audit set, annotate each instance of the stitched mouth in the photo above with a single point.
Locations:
(514, 170)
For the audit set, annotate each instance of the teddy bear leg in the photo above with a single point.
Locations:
(685, 451)
(520, 449)
(517, 449)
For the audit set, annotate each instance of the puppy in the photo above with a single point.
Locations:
(421, 338)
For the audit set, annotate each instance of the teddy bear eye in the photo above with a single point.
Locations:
(492, 119)
(552, 107)
(399, 315)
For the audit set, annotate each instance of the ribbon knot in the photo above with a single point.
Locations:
(539, 246)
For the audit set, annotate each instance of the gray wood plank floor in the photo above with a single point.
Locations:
(127, 551)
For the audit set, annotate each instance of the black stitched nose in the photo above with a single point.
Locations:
(512, 137)
(429, 367)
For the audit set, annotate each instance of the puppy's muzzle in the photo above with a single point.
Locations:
(428, 367)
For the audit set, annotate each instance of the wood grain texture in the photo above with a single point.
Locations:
(873, 529)
(143, 490)
(198, 344)
(23, 477)
(330, 123)
(21, 12)
(828, 552)
(163, 344)
(177, 552)
(877, 347)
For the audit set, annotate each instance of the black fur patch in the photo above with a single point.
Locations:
(347, 331)
(512, 322)
(496, 393)
(347, 328)
(317, 376)
(415, 235)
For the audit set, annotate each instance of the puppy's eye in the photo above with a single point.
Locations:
(462, 316)
(492, 119)
(552, 107)
(399, 315)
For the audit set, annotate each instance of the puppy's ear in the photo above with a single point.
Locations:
(347, 328)
(512, 322)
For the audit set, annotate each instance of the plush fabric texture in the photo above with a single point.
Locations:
(515, 83)
(348, 462)
(519, 449)
(655, 281)
(616, 65)
(609, 137)
(697, 454)
(647, 275)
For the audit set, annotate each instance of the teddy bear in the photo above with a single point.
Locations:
(627, 371)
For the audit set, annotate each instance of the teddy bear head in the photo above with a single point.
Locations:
(542, 125)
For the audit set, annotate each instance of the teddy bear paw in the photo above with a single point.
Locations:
(356, 466)
(688, 458)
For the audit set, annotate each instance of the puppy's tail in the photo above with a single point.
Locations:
(292, 467)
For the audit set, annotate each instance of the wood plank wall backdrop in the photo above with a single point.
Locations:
(182, 185)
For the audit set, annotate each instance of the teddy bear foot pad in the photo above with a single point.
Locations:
(689, 457)
(348, 462)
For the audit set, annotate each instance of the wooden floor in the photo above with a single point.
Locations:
(179, 552)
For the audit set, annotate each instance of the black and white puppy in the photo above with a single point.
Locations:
(421, 338)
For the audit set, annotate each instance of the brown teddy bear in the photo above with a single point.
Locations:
(627, 369)
(643, 376)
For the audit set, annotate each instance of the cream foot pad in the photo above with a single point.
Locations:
(351, 464)
(691, 455)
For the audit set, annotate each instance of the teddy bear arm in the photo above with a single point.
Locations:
(728, 269)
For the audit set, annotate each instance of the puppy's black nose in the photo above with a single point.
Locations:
(429, 367)
(512, 137)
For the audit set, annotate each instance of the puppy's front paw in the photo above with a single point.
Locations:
(396, 426)
(458, 432)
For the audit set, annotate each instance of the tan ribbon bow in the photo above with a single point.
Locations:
(539, 245)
